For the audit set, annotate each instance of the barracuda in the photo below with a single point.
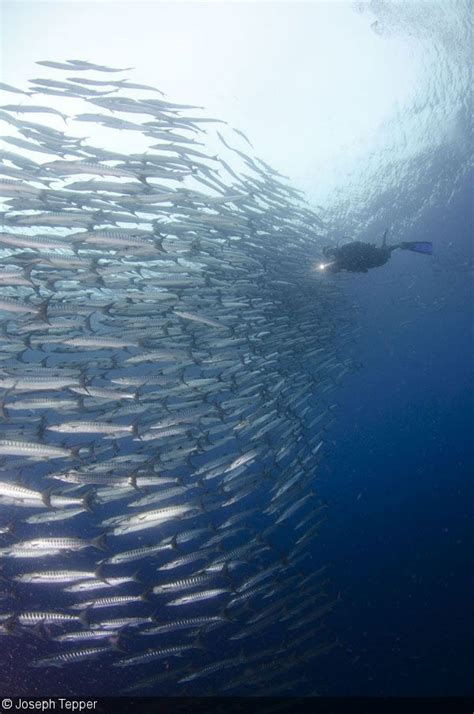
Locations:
(158, 514)
(30, 619)
(181, 357)
(21, 494)
(55, 516)
(85, 167)
(130, 556)
(199, 319)
(152, 655)
(119, 623)
(39, 545)
(32, 450)
(35, 242)
(99, 584)
(15, 306)
(86, 635)
(35, 404)
(185, 584)
(36, 384)
(198, 597)
(85, 427)
(189, 623)
(20, 109)
(99, 342)
(114, 601)
(55, 576)
(164, 495)
(71, 657)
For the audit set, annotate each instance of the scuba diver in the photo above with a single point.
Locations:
(358, 257)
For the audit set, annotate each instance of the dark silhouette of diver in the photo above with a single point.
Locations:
(359, 257)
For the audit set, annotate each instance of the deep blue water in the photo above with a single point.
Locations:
(398, 477)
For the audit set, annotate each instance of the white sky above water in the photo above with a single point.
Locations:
(310, 83)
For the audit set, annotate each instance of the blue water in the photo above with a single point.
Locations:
(399, 478)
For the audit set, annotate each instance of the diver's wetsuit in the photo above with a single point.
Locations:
(358, 257)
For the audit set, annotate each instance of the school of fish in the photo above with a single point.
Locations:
(167, 367)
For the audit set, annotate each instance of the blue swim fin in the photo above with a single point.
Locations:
(422, 246)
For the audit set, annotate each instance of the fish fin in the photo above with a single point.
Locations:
(135, 430)
(99, 573)
(11, 527)
(145, 596)
(84, 618)
(3, 413)
(43, 310)
(88, 500)
(9, 624)
(116, 643)
(224, 613)
(425, 246)
(46, 497)
(100, 542)
(132, 480)
(39, 631)
(75, 451)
